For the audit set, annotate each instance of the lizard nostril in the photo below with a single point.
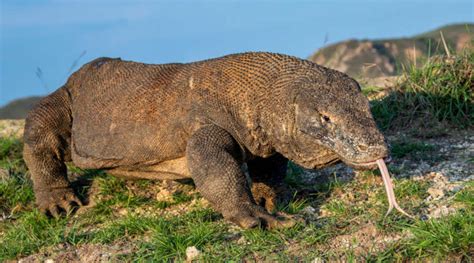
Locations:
(362, 147)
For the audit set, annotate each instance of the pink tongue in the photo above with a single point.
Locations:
(392, 202)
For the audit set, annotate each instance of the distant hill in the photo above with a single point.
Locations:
(18, 109)
(385, 57)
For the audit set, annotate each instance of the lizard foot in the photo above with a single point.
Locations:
(57, 202)
(256, 216)
(270, 197)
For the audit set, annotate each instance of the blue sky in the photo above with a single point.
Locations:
(51, 35)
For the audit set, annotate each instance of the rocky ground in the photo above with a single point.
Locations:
(11, 128)
(447, 167)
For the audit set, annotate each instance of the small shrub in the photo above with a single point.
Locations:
(442, 91)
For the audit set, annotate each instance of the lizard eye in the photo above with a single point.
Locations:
(325, 118)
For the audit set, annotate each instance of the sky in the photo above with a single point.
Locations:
(53, 38)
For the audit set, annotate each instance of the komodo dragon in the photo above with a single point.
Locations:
(202, 120)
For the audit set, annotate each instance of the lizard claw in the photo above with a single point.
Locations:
(58, 202)
(256, 216)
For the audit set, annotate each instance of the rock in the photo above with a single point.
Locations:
(192, 253)
(323, 212)
(232, 236)
(309, 210)
(456, 188)
(123, 212)
(11, 128)
(49, 260)
(317, 260)
(441, 212)
(105, 257)
(435, 193)
(4, 174)
(242, 241)
(424, 217)
(164, 195)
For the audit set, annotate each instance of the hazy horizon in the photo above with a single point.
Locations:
(52, 34)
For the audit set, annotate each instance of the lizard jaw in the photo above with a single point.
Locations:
(371, 165)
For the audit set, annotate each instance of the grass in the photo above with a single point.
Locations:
(370, 91)
(466, 196)
(294, 206)
(412, 149)
(442, 91)
(436, 240)
(441, 237)
(16, 192)
(170, 237)
(29, 233)
(11, 156)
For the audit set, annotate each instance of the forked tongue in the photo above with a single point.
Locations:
(392, 202)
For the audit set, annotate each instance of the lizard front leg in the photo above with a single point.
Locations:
(214, 160)
(47, 137)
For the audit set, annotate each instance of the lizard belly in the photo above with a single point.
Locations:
(174, 169)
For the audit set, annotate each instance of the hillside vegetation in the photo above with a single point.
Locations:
(438, 95)
(387, 57)
(18, 109)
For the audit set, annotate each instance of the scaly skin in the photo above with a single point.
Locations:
(202, 120)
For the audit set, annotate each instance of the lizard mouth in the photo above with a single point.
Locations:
(371, 165)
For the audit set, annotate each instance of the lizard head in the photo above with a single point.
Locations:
(331, 122)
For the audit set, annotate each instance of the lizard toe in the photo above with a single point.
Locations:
(57, 202)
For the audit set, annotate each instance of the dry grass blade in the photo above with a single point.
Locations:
(444, 44)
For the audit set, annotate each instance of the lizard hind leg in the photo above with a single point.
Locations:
(47, 137)
(214, 160)
(268, 187)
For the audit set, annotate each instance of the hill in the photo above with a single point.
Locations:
(18, 109)
(386, 57)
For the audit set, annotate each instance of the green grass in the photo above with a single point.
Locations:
(466, 196)
(413, 149)
(10, 151)
(29, 233)
(294, 206)
(442, 91)
(410, 195)
(16, 194)
(369, 91)
(435, 240)
(169, 238)
(11, 156)
(16, 191)
(441, 237)
(363, 200)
